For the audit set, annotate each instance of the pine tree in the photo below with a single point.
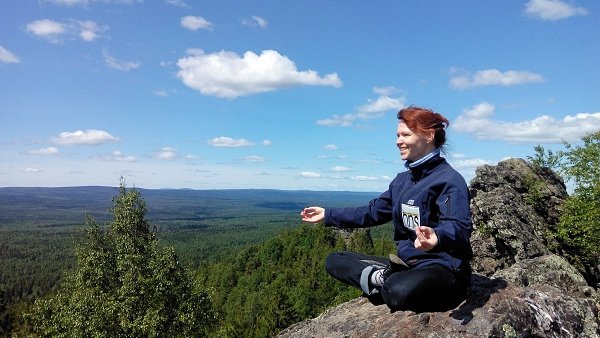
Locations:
(124, 285)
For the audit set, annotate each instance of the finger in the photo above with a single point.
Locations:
(417, 244)
(426, 232)
(308, 211)
(420, 234)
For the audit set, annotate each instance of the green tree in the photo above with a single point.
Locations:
(579, 227)
(545, 158)
(4, 315)
(123, 285)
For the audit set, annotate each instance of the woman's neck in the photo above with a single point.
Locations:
(413, 164)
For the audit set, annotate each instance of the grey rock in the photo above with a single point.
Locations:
(513, 209)
(550, 270)
(495, 309)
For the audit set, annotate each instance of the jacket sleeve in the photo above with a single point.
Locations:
(378, 211)
(455, 225)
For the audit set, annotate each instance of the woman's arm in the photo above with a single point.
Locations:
(455, 226)
(378, 211)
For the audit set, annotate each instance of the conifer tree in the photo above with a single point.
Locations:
(124, 285)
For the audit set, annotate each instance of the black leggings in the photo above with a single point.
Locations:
(429, 288)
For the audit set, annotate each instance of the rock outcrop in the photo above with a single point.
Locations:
(520, 288)
(513, 209)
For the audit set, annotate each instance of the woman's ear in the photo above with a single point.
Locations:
(430, 137)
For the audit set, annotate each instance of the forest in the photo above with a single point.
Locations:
(208, 230)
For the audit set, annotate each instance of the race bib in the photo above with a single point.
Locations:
(410, 216)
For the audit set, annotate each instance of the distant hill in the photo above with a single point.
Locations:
(70, 204)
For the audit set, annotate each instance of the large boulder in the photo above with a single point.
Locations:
(514, 207)
(520, 286)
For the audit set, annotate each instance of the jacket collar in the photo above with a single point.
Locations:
(425, 167)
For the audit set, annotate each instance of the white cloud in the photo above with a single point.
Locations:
(161, 93)
(31, 170)
(470, 165)
(229, 75)
(195, 51)
(88, 137)
(370, 178)
(255, 21)
(177, 3)
(112, 62)
(119, 157)
(89, 30)
(339, 168)
(479, 122)
(338, 120)
(166, 153)
(7, 56)
(475, 119)
(492, 77)
(47, 29)
(553, 9)
(44, 151)
(55, 31)
(330, 147)
(69, 2)
(195, 23)
(376, 108)
(372, 109)
(267, 143)
(87, 2)
(254, 159)
(228, 142)
(309, 174)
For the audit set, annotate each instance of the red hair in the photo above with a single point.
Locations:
(423, 121)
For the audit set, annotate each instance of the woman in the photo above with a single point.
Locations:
(429, 206)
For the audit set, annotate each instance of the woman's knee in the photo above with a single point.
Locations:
(419, 290)
(396, 296)
(332, 262)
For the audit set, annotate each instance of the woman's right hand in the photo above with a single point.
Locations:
(313, 214)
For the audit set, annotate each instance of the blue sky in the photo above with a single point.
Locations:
(283, 94)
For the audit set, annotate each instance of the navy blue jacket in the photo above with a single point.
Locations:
(433, 194)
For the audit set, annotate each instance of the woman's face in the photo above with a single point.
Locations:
(412, 145)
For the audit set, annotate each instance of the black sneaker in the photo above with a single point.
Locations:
(396, 264)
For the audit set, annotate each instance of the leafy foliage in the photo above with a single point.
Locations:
(124, 285)
(578, 230)
(579, 226)
(544, 158)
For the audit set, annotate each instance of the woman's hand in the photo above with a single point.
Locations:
(313, 214)
(426, 238)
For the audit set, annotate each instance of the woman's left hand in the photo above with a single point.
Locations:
(426, 238)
